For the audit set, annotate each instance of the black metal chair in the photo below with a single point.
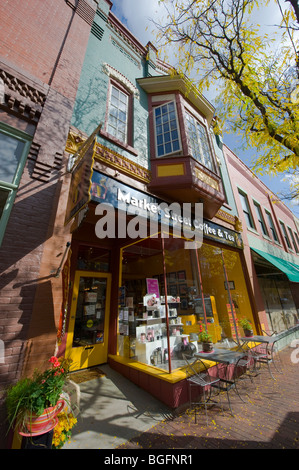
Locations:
(267, 354)
(273, 352)
(244, 370)
(234, 374)
(198, 376)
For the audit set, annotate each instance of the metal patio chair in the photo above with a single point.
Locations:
(267, 354)
(244, 370)
(198, 376)
(234, 374)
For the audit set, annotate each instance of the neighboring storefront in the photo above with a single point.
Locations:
(271, 248)
(279, 281)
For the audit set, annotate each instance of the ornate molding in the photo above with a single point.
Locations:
(121, 163)
(20, 97)
(230, 219)
(74, 141)
(112, 72)
(110, 158)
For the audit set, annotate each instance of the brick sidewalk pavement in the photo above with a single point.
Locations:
(269, 420)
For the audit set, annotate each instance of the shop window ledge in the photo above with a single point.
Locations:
(173, 377)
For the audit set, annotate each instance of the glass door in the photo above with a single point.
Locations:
(87, 341)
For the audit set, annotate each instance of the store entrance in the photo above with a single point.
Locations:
(87, 341)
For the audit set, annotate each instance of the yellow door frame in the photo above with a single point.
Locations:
(90, 355)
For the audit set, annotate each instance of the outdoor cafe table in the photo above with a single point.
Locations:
(226, 357)
(221, 356)
(268, 356)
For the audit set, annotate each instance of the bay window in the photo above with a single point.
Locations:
(166, 129)
(198, 142)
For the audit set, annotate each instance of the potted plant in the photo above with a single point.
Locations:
(33, 403)
(63, 430)
(205, 338)
(247, 327)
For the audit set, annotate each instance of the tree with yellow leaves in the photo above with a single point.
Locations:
(258, 89)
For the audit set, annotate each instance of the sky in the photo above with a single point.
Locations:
(136, 15)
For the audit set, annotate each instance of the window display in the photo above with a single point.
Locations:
(90, 312)
(167, 291)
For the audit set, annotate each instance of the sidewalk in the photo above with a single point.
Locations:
(112, 411)
(117, 414)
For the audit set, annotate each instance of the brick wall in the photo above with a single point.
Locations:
(43, 45)
(47, 39)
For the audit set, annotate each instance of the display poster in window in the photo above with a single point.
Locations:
(151, 302)
(90, 297)
(152, 285)
(89, 309)
(122, 296)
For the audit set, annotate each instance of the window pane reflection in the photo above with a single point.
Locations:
(167, 290)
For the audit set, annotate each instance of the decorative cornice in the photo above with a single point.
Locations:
(20, 97)
(121, 163)
(110, 158)
(230, 219)
(116, 25)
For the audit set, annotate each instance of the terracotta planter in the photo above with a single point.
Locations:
(207, 347)
(37, 425)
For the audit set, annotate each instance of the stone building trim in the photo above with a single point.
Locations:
(112, 72)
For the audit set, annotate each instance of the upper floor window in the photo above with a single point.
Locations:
(297, 240)
(260, 218)
(198, 142)
(246, 210)
(285, 235)
(167, 129)
(14, 147)
(272, 226)
(293, 239)
(118, 112)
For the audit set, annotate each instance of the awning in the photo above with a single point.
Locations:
(290, 269)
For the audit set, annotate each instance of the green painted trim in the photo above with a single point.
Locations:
(13, 187)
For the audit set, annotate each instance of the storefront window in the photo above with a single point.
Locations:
(280, 308)
(167, 290)
(223, 281)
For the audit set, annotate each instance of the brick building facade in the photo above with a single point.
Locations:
(42, 49)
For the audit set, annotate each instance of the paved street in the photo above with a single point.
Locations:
(270, 419)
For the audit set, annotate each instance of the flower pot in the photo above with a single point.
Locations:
(37, 425)
(248, 333)
(207, 346)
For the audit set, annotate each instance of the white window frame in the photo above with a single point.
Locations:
(274, 234)
(260, 218)
(285, 234)
(293, 239)
(248, 212)
(117, 136)
(172, 152)
(207, 163)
